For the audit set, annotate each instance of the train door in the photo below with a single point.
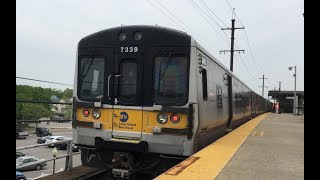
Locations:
(230, 106)
(127, 93)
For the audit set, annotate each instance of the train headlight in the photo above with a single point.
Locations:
(122, 36)
(96, 114)
(138, 36)
(162, 118)
(175, 118)
(86, 112)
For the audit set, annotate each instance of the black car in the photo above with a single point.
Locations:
(42, 140)
(63, 146)
(19, 154)
(20, 134)
(43, 132)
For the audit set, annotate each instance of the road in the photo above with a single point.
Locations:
(45, 152)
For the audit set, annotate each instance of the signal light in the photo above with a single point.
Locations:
(175, 118)
(86, 112)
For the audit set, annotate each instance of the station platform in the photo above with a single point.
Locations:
(270, 146)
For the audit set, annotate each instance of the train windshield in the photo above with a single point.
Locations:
(171, 75)
(91, 78)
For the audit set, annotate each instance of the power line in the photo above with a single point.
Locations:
(206, 14)
(251, 52)
(209, 10)
(199, 10)
(207, 7)
(178, 19)
(42, 81)
(165, 15)
(229, 5)
(241, 57)
(246, 67)
(173, 19)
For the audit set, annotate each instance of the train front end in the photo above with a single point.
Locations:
(131, 96)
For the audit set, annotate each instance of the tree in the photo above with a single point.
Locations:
(29, 111)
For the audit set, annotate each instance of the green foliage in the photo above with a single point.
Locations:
(29, 111)
(67, 114)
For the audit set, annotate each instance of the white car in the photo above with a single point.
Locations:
(54, 139)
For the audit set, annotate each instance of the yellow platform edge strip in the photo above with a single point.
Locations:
(215, 156)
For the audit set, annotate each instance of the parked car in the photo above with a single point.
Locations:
(53, 139)
(42, 140)
(19, 154)
(41, 131)
(63, 146)
(20, 176)
(21, 134)
(29, 162)
(59, 118)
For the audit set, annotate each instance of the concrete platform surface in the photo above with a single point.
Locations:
(274, 150)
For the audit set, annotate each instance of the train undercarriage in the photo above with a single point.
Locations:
(129, 165)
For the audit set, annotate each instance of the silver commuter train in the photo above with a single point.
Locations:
(152, 92)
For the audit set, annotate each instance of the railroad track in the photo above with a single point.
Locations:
(80, 173)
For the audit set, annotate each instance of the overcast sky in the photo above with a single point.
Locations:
(47, 34)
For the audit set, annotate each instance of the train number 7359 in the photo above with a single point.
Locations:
(129, 49)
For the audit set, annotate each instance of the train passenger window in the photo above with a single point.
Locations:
(91, 78)
(170, 80)
(128, 81)
(204, 84)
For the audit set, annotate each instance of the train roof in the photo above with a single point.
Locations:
(151, 36)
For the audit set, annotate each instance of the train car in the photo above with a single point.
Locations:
(145, 93)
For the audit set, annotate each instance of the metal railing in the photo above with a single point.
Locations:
(43, 120)
(68, 156)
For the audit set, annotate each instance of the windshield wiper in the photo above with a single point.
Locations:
(167, 61)
(84, 70)
(86, 67)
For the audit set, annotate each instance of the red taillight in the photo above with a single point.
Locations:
(86, 112)
(175, 118)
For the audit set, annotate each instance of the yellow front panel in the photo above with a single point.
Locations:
(136, 120)
(105, 119)
(127, 120)
(150, 121)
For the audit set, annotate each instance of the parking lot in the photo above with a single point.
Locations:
(45, 152)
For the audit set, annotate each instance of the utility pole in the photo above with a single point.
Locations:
(295, 92)
(279, 92)
(232, 41)
(295, 104)
(263, 78)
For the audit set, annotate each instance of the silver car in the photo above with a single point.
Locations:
(54, 139)
(29, 162)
